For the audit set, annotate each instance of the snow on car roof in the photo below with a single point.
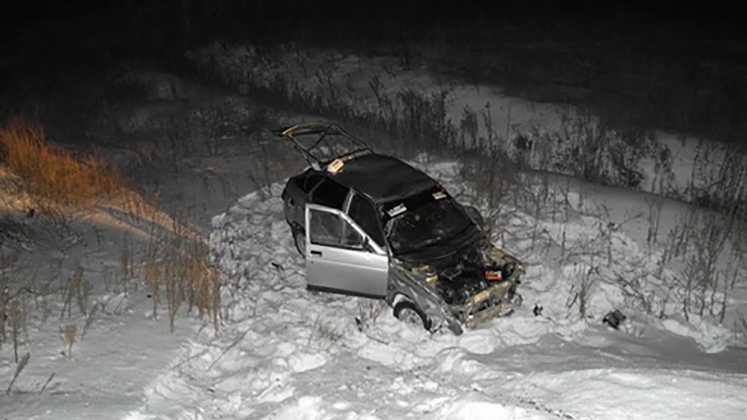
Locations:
(383, 178)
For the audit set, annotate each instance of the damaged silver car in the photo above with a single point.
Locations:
(371, 225)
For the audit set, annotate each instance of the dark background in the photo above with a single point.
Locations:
(139, 27)
(669, 65)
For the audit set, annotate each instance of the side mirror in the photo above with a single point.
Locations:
(475, 215)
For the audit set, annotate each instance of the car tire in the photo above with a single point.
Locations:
(299, 238)
(410, 313)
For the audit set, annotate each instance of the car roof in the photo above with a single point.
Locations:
(383, 178)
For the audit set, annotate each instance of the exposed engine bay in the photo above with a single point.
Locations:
(476, 284)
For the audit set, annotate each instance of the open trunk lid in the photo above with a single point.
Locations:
(324, 145)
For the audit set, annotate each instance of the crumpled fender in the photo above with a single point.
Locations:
(405, 284)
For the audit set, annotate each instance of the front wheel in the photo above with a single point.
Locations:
(410, 313)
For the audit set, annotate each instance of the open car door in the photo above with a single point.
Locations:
(340, 257)
(321, 144)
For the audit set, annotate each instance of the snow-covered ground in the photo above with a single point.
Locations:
(117, 348)
(286, 353)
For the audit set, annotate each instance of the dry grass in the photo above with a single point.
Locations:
(69, 334)
(54, 178)
(19, 368)
(77, 288)
(14, 312)
(153, 275)
(178, 270)
(60, 184)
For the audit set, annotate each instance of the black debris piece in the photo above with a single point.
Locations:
(614, 318)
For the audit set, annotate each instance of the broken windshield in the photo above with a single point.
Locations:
(430, 223)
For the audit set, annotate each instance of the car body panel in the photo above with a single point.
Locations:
(349, 269)
(404, 283)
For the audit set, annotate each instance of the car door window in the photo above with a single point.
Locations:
(330, 194)
(330, 229)
(325, 228)
(351, 238)
(366, 216)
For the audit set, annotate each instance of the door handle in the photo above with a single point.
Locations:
(318, 253)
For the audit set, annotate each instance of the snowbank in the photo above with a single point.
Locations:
(285, 352)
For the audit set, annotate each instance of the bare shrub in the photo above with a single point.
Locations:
(324, 334)
(369, 312)
(703, 268)
(632, 288)
(468, 129)
(180, 271)
(424, 119)
(69, 335)
(14, 311)
(719, 179)
(15, 314)
(654, 219)
(3, 316)
(174, 294)
(77, 288)
(260, 175)
(46, 383)
(13, 231)
(581, 289)
(126, 261)
(700, 265)
(89, 320)
(740, 324)
(153, 274)
(202, 282)
(493, 177)
(19, 368)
